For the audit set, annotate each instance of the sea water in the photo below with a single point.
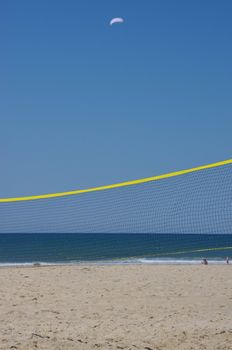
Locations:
(29, 249)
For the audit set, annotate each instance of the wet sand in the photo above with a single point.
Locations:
(116, 307)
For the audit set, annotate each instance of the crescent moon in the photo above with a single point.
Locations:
(116, 20)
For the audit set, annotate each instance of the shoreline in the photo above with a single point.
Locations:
(119, 262)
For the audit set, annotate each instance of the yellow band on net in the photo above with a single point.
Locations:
(117, 185)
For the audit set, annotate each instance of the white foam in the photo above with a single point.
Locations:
(22, 264)
(178, 261)
(129, 261)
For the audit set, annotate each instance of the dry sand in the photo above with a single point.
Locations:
(116, 307)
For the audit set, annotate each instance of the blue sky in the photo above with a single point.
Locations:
(85, 104)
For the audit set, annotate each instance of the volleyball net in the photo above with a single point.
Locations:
(192, 201)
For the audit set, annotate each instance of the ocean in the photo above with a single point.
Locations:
(46, 249)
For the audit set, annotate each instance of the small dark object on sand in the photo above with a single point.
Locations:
(204, 262)
(36, 264)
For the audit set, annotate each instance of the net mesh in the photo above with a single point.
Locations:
(196, 202)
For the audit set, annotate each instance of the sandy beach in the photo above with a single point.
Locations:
(116, 307)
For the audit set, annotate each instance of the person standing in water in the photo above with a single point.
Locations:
(227, 260)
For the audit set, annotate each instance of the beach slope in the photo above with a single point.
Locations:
(116, 307)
